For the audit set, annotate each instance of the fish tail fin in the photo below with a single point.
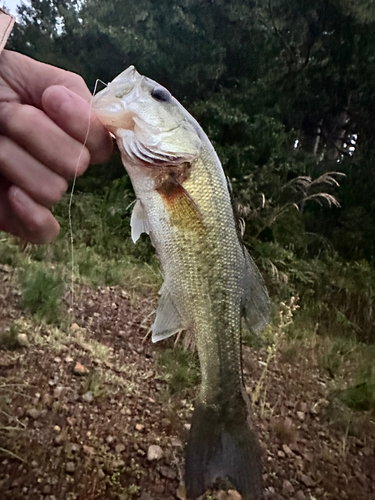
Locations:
(222, 444)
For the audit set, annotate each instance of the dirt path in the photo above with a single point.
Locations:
(86, 414)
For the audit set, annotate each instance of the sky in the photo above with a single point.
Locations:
(11, 5)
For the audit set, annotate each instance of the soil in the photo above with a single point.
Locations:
(85, 412)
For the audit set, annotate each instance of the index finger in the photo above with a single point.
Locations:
(75, 116)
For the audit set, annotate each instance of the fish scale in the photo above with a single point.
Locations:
(210, 281)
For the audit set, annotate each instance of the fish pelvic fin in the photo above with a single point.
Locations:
(222, 444)
(139, 221)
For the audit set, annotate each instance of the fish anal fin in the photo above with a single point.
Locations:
(256, 304)
(168, 320)
(139, 221)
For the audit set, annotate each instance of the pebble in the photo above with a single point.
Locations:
(74, 327)
(69, 359)
(57, 429)
(306, 480)
(70, 467)
(79, 369)
(57, 391)
(301, 415)
(34, 413)
(167, 472)
(89, 449)
(288, 452)
(299, 495)
(120, 448)
(88, 397)
(110, 439)
(139, 427)
(288, 488)
(154, 452)
(23, 340)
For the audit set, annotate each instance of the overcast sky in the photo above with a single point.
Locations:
(11, 5)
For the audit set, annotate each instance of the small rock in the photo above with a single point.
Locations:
(281, 454)
(69, 359)
(299, 495)
(70, 467)
(33, 413)
(145, 496)
(110, 439)
(139, 427)
(120, 448)
(175, 442)
(79, 369)
(74, 327)
(57, 429)
(181, 492)
(154, 452)
(167, 472)
(89, 450)
(165, 423)
(118, 463)
(301, 415)
(288, 488)
(58, 391)
(288, 452)
(88, 397)
(59, 439)
(187, 426)
(306, 480)
(23, 340)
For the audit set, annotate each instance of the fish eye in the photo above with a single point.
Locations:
(160, 94)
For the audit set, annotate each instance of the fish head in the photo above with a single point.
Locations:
(149, 124)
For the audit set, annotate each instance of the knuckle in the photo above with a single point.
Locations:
(82, 163)
(55, 191)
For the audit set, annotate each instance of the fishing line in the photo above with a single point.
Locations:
(72, 191)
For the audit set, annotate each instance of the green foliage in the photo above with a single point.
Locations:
(180, 367)
(42, 292)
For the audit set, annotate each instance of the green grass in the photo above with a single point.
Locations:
(180, 369)
(42, 292)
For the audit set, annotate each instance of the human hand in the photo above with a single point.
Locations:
(44, 117)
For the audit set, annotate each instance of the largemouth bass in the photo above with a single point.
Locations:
(210, 281)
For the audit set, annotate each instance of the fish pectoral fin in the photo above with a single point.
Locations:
(139, 221)
(256, 304)
(168, 320)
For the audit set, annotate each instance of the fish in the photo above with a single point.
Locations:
(210, 280)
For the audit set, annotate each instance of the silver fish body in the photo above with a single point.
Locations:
(210, 281)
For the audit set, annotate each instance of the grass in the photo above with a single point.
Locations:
(180, 369)
(42, 292)
(9, 338)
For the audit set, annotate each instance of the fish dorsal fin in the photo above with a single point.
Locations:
(256, 305)
(168, 320)
(139, 221)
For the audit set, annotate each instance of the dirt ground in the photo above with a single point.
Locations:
(86, 414)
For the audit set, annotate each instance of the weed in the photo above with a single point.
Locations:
(94, 383)
(9, 339)
(180, 368)
(42, 292)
